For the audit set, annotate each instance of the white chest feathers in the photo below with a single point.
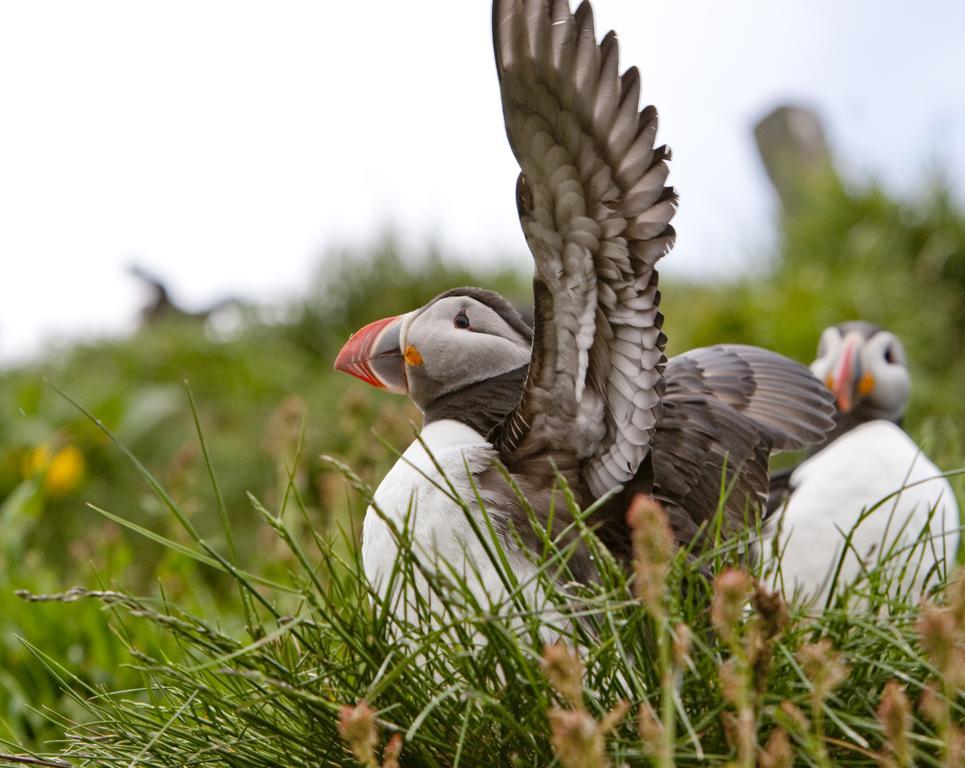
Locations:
(418, 501)
(874, 485)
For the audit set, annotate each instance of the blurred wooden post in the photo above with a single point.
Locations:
(795, 152)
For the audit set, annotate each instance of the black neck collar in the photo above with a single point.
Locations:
(845, 422)
(481, 405)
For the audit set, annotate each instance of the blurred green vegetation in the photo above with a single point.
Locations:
(262, 389)
(263, 385)
(850, 254)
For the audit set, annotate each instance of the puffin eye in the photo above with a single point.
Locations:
(461, 321)
(890, 355)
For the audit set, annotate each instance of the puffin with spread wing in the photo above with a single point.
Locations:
(867, 486)
(587, 393)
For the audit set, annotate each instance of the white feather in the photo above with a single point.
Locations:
(830, 493)
(414, 495)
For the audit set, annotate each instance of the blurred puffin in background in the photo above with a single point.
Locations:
(867, 479)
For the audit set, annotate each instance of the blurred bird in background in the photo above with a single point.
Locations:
(868, 493)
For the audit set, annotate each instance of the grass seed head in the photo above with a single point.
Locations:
(936, 627)
(653, 549)
(682, 643)
(577, 739)
(731, 683)
(956, 746)
(894, 713)
(771, 609)
(794, 717)
(356, 725)
(650, 729)
(564, 670)
(777, 753)
(956, 605)
(933, 705)
(824, 666)
(392, 751)
(732, 589)
(743, 734)
(614, 717)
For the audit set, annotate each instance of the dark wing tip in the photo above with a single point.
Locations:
(782, 397)
(795, 403)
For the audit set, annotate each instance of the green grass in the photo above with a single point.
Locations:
(465, 683)
(254, 389)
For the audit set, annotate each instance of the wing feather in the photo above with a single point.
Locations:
(595, 213)
(783, 398)
(601, 402)
(724, 410)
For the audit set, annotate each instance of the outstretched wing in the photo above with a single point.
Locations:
(725, 410)
(595, 213)
(790, 406)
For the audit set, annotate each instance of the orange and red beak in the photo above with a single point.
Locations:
(373, 354)
(847, 381)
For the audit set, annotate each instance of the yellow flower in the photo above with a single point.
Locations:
(62, 471)
(65, 472)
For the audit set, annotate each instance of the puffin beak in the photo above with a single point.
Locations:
(373, 354)
(847, 381)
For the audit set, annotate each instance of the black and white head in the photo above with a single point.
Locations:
(866, 368)
(461, 337)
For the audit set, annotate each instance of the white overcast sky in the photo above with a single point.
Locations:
(226, 144)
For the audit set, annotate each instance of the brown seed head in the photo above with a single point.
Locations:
(772, 611)
(653, 549)
(894, 713)
(933, 705)
(956, 746)
(956, 605)
(824, 666)
(613, 718)
(392, 751)
(732, 588)
(650, 729)
(564, 670)
(682, 642)
(356, 725)
(576, 739)
(795, 718)
(731, 683)
(777, 753)
(936, 627)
